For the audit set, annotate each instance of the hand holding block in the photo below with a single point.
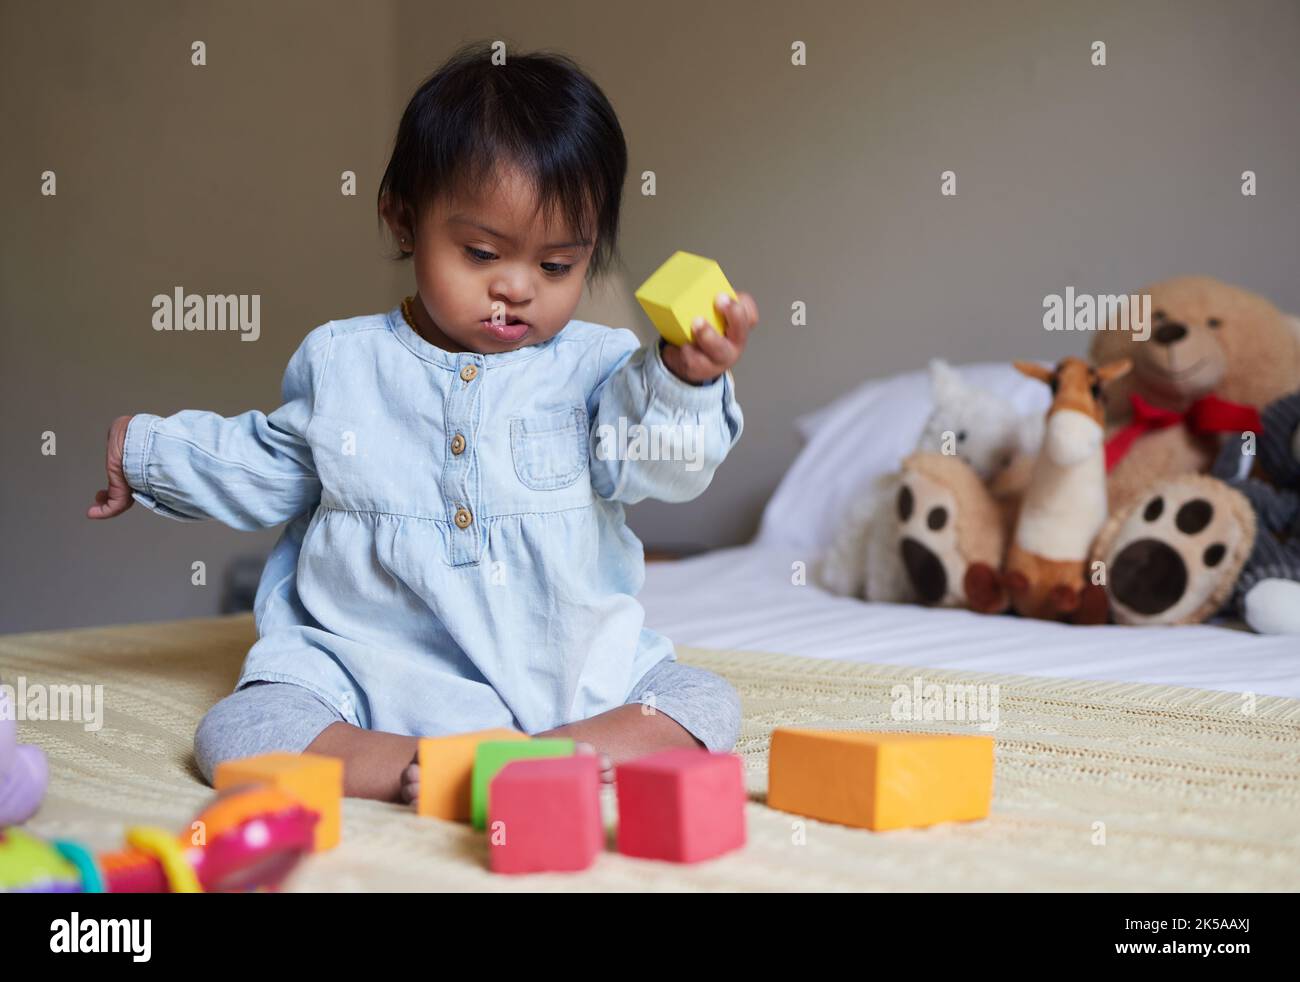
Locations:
(880, 780)
(492, 755)
(446, 767)
(544, 815)
(679, 291)
(681, 805)
(313, 779)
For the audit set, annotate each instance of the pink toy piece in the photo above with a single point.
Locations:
(544, 815)
(681, 805)
(24, 772)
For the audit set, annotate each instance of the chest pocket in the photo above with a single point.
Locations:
(550, 450)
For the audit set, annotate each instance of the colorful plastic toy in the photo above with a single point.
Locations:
(492, 755)
(32, 865)
(683, 806)
(315, 780)
(246, 839)
(880, 780)
(24, 771)
(679, 291)
(446, 769)
(544, 815)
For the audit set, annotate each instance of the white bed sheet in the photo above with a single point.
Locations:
(744, 598)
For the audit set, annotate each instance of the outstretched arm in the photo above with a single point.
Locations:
(248, 471)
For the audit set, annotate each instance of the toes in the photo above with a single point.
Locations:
(411, 783)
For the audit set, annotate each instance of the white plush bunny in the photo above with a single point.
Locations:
(979, 427)
(973, 424)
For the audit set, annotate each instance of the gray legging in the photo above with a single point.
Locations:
(267, 716)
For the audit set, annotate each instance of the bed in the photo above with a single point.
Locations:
(1128, 759)
(755, 606)
(1099, 785)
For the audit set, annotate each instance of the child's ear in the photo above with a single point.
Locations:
(1034, 370)
(398, 223)
(1113, 370)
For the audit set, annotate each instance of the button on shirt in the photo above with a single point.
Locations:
(456, 555)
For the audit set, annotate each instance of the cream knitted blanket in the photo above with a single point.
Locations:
(1099, 786)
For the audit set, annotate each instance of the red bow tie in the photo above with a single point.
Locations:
(1208, 415)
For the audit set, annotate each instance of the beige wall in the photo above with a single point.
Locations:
(817, 184)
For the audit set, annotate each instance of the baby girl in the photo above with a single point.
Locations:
(456, 555)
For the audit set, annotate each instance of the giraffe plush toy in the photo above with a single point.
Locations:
(1045, 573)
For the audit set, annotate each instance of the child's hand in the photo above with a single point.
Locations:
(710, 353)
(116, 498)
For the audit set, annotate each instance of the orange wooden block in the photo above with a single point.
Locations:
(313, 779)
(446, 767)
(880, 780)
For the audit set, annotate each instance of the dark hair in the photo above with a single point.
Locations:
(537, 111)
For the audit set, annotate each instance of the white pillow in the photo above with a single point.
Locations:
(862, 436)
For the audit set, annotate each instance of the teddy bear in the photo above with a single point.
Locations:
(24, 771)
(1177, 538)
(973, 441)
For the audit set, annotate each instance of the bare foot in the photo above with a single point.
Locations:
(372, 760)
(386, 766)
(628, 732)
(410, 793)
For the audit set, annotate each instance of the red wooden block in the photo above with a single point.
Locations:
(681, 805)
(544, 815)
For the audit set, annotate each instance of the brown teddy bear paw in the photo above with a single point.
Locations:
(944, 521)
(1173, 555)
(927, 537)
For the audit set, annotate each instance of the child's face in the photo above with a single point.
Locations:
(491, 257)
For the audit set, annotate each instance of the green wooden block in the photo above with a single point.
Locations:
(492, 755)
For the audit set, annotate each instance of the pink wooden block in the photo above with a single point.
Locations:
(544, 815)
(681, 805)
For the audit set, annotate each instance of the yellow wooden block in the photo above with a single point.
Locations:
(315, 780)
(679, 291)
(446, 767)
(880, 780)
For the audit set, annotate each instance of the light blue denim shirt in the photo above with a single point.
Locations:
(456, 555)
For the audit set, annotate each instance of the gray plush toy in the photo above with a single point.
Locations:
(1267, 594)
